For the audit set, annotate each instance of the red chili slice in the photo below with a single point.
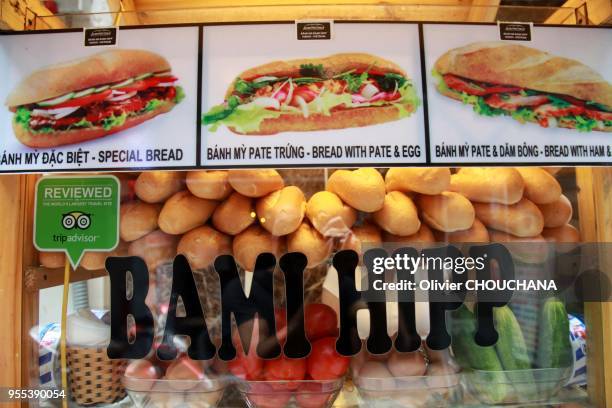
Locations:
(83, 100)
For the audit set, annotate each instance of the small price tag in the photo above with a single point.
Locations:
(515, 31)
(76, 214)
(314, 29)
(100, 37)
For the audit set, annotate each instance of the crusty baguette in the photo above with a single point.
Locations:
(513, 64)
(332, 65)
(66, 137)
(340, 119)
(98, 69)
(457, 96)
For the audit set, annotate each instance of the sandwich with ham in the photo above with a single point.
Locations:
(92, 97)
(335, 92)
(530, 85)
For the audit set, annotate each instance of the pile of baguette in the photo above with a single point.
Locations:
(204, 214)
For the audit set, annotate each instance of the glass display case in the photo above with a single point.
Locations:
(252, 280)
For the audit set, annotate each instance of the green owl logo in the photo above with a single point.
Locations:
(76, 219)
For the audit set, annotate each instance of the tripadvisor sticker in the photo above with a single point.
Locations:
(76, 214)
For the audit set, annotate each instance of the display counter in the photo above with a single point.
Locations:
(307, 205)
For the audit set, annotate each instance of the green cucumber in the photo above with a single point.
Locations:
(56, 101)
(162, 74)
(490, 380)
(84, 92)
(512, 352)
(123, 83)
(143, 76)
(554, 347)
(102, 88)
(510, 346)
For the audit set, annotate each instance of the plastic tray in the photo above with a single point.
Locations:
(175, 393)
(516, 387)
(279, 394)
(414, 391)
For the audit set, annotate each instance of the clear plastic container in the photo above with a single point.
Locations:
(164, 393)
(279, 394)
(442, 390)
(516, 387)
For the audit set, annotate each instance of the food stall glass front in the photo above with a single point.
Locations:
(332, 147)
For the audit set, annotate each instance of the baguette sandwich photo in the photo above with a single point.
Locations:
(335, 92)
(92, 97)
(530, 85)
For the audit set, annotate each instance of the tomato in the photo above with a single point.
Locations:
(83, 100)
(320, 320)
(285, 369)
(324, 362)
(246, 367)
(311, 395)
(371, 71)
(501, 89)
(305, 93)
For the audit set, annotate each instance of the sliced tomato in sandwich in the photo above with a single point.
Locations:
(84, 100)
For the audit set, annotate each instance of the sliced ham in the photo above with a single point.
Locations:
(599, 115)
(555, 111)
(513, 102)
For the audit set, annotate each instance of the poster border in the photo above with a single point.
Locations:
(198, 160)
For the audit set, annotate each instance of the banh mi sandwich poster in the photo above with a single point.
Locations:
(548, 100)
(66, 106)
(269, 98)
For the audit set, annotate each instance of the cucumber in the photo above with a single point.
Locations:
(490, 380)
(512, 352)
(554, 347)
(123, 83)
(102, 88)
(58, 100)
(84, 92)
(511, 348)
(143, 76)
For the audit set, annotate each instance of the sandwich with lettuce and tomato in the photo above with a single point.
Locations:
(92, 97)
(335, 92)
(505, 79)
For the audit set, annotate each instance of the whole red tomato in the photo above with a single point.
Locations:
(246, 367)
(285, 369)
(320, 320)
(324, 362)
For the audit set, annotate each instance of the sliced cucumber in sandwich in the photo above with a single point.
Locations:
(123, 83)
(143, 76)
(58, 100)
(102, 88)
(84, 92)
